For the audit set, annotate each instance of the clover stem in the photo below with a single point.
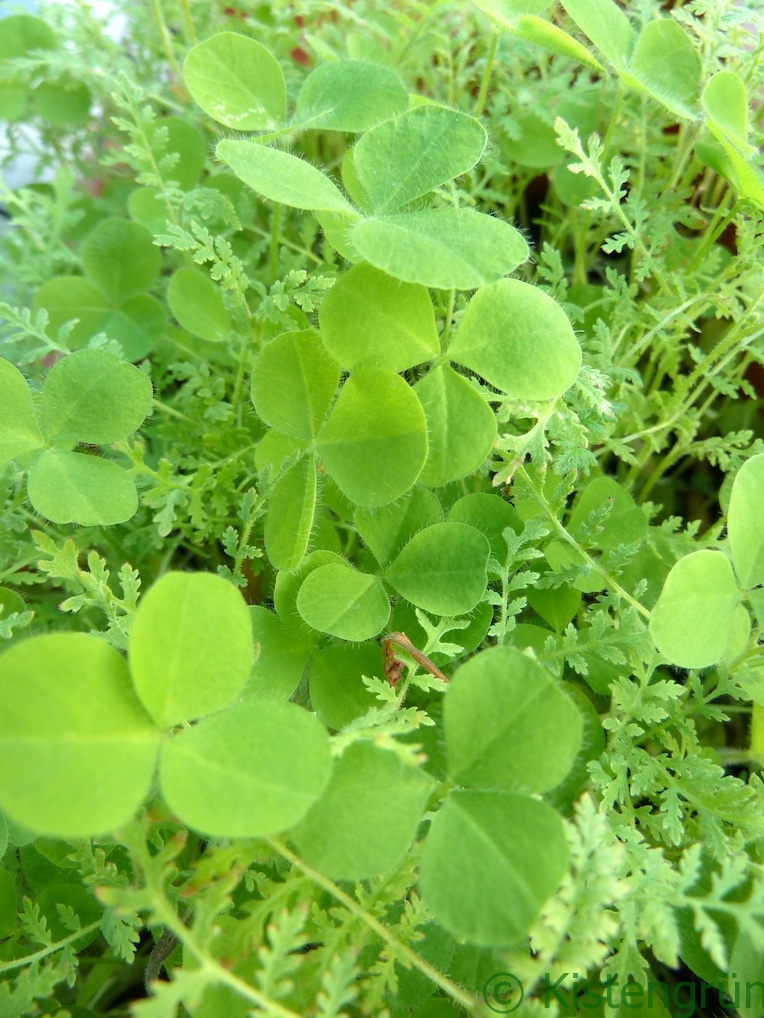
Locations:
(485, 80)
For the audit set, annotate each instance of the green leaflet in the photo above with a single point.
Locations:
(237, 82)
(291, 508)
(120, 259)
(198, 305)
(136, 324)
(385, 530)
(506, 11)
(374, 443)
(252, 770)
(19, 430)
(460, 424)
(349, 95)
(725, 103)
(508, 724)
(337, 693)
(404, 158)
(70, 487)
(92, 396)
(62, 104)
(666, 64)
(287, 587)
(367, 816)
(370, 319)
(606, 25)
(190, 647)
(120, 262)
(293, 383)
(345, 603)
(490, 861)
(691, 620)
(441, 248)
(282, 177)
(442, 569)
(519, 340)
(550, 37)
(65, 698)
(280, 657)
(744, 522)
(491, 515)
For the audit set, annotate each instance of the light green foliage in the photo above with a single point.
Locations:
(367, 816)
(291, 514)
(198, 305)
(690, 622)
(667, 65)
(343, 602)
(120, 260)
(93, 397)
(190, 647)
(370, 319)
(349, 95)
(293, 383)
(282, 177)
(337, 692)
(64, 697)
(280, 657)
(508, 725)
(251, 770)
(387, 529)
(237, 82)
(519, 340)
(490, 862)
(606, 25)
(71, 487)
(442, 569)
(441, 248)
(380, 534)
(120, 263)
(374, 443)
(404, 158)
(744, 522)
(19, 429)
(460, 424)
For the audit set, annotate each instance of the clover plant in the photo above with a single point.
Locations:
(382, 545)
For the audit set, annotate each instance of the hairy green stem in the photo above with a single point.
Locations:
(485, 80)
(455, 992)
(164, 34)
(592, 563)
(29, 959)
